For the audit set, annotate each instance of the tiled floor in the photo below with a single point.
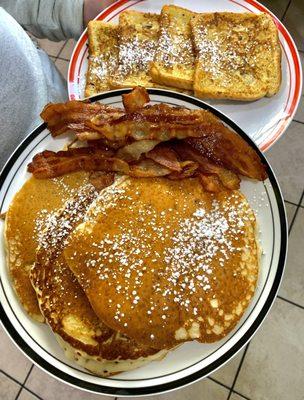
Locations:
(271, 367)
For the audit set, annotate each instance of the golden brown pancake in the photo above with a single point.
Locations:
(65, 307)
(24, 223)
(165, 262)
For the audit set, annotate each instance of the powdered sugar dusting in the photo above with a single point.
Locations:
(135, 56)
(226, 47)
(174, 49)
(123, 258)
(103, 65)
(200, 239)
(52, 229)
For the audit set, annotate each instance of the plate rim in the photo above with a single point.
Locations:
(253, 328)
(298, 78)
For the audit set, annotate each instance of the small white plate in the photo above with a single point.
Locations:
(190, 361)
(264, 120)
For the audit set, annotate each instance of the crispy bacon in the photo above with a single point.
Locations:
(128, 141)
(73, 116)
(133, 151)
(211, 183)
(93, 121)
(157, 122)
(229, 179)
(226, 148)
(136, 99)
(106, 143)
(189, 168)
(164, 155)
(101, 179)
(49, 164)
(148, 169)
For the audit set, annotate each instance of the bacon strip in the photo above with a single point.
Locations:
(136, 99)
(133, 151)
(189, 168)
(73, 115)
(148, 169)
(93, 121)
(49, 164)
(229, 179)
(101, 179)
(164, 155)
(209, 147)
(231, 151)
(211, 183)
(157, 122)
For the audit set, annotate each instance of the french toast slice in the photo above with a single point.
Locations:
(174, 61)
(238, 56)
(103, 56)
(138, 36)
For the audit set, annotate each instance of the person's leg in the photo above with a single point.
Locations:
(56, 84)
(28, 81)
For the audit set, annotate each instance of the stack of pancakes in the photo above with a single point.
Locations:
(126, 273)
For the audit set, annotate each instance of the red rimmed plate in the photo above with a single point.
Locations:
(264, 120)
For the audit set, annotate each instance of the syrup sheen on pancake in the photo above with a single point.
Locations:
(166, 262)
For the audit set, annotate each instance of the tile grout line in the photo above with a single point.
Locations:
(238, 371)
(296, 213)
(33, 393)
(24, 382)
(10, 377)
(297, 121)
(293, 204)
(240, 394)
(63, 59)
(227, 387)
(218, 382)
(285, 12)
(20, 384)
(60, 51)
(290, 302)
(19, 392)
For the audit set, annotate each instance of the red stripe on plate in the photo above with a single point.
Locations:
(258, 6)
(123, 9)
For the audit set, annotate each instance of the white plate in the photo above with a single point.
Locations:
(190, 361)
(264, 120)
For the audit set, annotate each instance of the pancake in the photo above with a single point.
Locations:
(165, 262)
(24, 222)
(84, 338)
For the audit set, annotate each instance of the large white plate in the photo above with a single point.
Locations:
(190, 361)
(264, 120)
